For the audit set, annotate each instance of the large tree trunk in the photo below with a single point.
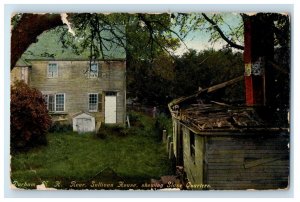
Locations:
(27, 30)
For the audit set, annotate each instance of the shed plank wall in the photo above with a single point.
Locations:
(256, 162)
(175, 132)
(193, 166)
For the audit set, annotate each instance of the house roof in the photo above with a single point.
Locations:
(49, 47)
(83, 115)
(22, 63)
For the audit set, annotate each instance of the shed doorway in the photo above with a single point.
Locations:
(83, 123)
(110, 107)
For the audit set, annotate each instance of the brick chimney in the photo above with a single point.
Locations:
(259, 48)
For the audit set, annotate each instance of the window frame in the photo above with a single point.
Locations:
(93, 74)
(64, 102)
(48, 68)
(96, 103)
(47, 96)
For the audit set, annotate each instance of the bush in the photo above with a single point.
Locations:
(135, 120)
(102, 134)
(113, 130)
(128, 131)
(57, 127)
(163, 122)
(29, 118)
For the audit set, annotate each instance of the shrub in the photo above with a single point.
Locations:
(133, 118)
(163, 122)
(128, 131)
(57, 127)
(113, 130)
(102, 134)
(29, 117)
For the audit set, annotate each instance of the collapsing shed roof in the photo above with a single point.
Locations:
(213, 116)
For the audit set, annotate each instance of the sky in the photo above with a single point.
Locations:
(199, 40)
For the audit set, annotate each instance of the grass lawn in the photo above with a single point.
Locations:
(135, 157)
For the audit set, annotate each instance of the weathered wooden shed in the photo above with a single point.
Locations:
(228, 147)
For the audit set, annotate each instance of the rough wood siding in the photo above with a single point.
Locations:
(73, 80)
(175, 122)
(251, 162)
(193, 166)
(177, 142)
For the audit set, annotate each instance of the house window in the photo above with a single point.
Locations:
(52, 70)
(60, 102)
(55, 102)
(93, 102)
(192, 145)
(93, 73)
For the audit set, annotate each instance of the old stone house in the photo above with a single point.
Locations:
(73, 85)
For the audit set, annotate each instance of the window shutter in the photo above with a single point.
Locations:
(99, 70)
(100, 102)
(51, 103)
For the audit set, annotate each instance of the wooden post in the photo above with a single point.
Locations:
(168, 142)
(164, 137)
(128, 122)
(171, 150)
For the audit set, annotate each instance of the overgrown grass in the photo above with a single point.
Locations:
(134, 158)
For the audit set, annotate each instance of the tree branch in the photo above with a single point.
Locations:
(217, 28)
(172, 31)
(27, 30)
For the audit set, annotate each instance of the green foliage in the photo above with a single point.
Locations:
(208, 68)
(234, 33)
(185, 75)
(143, 36)
(102, 133)
(112, 130)
(15, 19)
(151, 81)
(57, 127)
(30, 120)
(133, 119)
(163, 122)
